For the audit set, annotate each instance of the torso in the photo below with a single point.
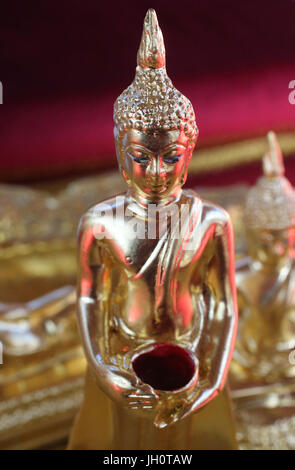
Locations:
(266, 332)
(155, 291)
(269, 299)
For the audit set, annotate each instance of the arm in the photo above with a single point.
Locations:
(23, 326)
(216, 345)
(224, 323)
(220, 333)
(94, 290)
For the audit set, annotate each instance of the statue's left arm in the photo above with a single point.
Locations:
(217, 343)
(223, 325)
(215, 348)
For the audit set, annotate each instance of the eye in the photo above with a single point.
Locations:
(267, 238)
(139, 157)
(171, 159)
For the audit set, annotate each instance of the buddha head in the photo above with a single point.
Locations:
(155, 129)
(270, 211)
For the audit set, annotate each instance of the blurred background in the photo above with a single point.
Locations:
(62, 65)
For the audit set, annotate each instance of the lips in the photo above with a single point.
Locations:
(158, 189)
(158, 184)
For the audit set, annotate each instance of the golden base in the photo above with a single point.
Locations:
(100, 425)
(266, 416)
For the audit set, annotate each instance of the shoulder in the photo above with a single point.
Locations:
(99, 215)
(109, 204)
(210, 211)
(215, 213)
(102, 209)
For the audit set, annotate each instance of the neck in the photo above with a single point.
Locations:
(144, 201)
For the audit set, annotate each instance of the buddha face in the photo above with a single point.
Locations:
(154, 164)
(272, 247)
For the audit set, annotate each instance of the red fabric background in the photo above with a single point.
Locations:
(62, 65)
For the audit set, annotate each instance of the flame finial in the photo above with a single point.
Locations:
(151, 103)
(151, 53)
(273, 164)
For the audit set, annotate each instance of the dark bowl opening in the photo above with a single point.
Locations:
(165, 367)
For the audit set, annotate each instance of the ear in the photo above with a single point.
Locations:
(117, 142)
(184, 176)
(123, 172)
(189, 152)
(120, 155)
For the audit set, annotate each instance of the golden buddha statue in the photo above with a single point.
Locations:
(265, 283)
(156, 291)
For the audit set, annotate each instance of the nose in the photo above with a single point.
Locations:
(155, 168)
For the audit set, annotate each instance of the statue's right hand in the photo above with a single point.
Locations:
(130, 391)
(142, 397)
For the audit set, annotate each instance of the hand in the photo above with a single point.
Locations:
(183, 405)
(142, 397)
(129, 390)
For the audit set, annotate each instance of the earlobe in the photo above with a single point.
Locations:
(128, 181)
(183, 179)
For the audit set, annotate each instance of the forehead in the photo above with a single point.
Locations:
(154, 140)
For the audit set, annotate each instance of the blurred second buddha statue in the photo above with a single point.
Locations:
(35, 326)
(266, 280)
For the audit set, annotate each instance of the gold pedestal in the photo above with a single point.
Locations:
(100, 424)
(37, 409)
(265, 416)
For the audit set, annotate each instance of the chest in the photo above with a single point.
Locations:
(268, 291)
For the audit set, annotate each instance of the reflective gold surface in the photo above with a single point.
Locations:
(265, 280)
(41, 378)
(27, 418)
(138, 291)
(263, 368)
(37, 406)
(41, 374)
(210, 428)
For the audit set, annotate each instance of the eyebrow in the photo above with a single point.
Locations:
(174, 145)
(171, 146)
(135, 144)
(138, 147)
